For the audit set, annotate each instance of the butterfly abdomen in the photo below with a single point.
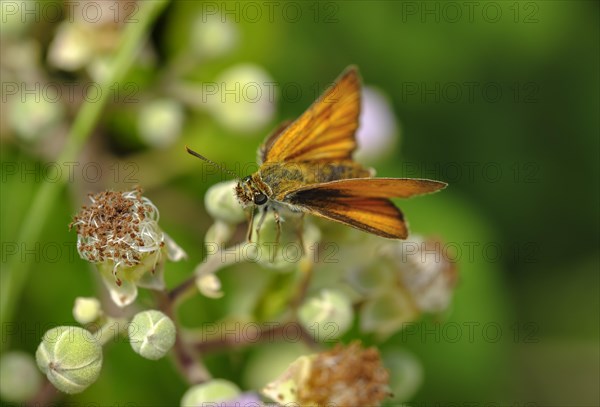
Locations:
(284, 177)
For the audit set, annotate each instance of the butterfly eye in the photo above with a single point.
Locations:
(260, 199)
(247, 179)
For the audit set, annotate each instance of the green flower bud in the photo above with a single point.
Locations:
(33, 120)
(151, 334)
(70, 357)
(212, 36)
(86, 310)
(20, 378)
(406, 373)
(160, 122)
(328, 316)
(210, 392)
(248, 110)
(386, 314)
(209, 285)
(219, 233)
(221, 203)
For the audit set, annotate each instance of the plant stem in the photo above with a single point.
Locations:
(268, 334)
(188, 363)
(15, 274)
(211, 264)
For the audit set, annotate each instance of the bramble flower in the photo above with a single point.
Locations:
(119, 233)
(343, 376)
(426, 272)
(412, 277)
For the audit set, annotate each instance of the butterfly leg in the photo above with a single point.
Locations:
(301, 234)
(261, 220)
(278, 234)
(250, 224)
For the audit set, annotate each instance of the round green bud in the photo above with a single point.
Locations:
(20, 378)
(160, 121)
(221, 203)
(210, 392)
(219, 233)
(209, 285)
(86, 310)
(406, 373)
(151, 334)
(70, 357)
(328, 316)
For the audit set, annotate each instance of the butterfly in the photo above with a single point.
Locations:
(306, 166)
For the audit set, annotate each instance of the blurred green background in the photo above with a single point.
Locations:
(499, 99)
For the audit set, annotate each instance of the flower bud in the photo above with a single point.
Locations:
(70, 357)
(219, 233)
(86, 310)
(221, 203)
(328, 316)
(160, 122)
(209, 285)
(151, 334)
(406, 373)
(33, 120)
(212, 36)
(20, 378)
(210, 392)
(248, 109)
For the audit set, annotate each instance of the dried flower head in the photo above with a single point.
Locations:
(119, 233)
(118, 227)
(345, 376)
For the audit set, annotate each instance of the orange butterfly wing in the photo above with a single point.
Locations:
(362, 202)
(326, 130)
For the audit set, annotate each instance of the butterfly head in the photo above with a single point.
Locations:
(248, 191)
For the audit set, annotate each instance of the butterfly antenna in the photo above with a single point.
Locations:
(195, 154)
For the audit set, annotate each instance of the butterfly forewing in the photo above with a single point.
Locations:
(326, 130)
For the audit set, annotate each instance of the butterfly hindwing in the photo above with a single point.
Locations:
(362, 202)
